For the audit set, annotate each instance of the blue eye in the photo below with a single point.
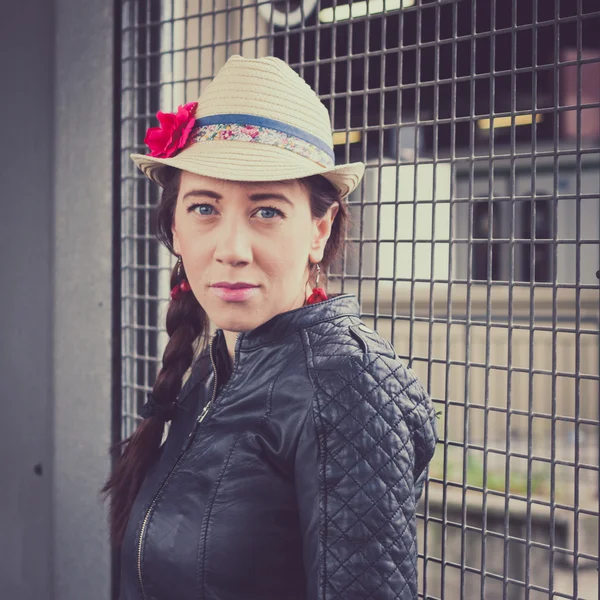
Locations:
(268, 212)
(202, 209)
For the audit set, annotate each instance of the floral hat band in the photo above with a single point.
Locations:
(261, 130)
(180, 129)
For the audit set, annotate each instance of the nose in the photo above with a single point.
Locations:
(233, 246)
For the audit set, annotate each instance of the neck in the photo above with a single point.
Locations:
(230, 340)
(231, 336)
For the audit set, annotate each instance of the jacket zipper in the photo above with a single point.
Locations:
(154, 500)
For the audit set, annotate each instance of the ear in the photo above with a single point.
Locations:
(176, 244)
(321, 233)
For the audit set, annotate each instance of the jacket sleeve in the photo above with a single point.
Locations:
(364, 444)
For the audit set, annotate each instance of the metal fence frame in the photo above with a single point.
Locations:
(465, 289)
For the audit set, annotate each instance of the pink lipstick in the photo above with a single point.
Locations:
(234, 292)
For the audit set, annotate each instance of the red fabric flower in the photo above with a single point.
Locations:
(173, 133)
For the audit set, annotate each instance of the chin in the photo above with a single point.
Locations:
(237, 319)
(236, 325)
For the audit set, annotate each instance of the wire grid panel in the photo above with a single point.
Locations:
(473, 246)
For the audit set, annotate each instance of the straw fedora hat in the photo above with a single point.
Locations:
(257, 120)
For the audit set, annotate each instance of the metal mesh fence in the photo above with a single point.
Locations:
(473, 247)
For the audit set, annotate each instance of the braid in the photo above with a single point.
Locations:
(187, 323)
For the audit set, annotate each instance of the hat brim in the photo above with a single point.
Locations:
(245, 161)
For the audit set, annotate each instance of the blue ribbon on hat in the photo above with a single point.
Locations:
(290, 130)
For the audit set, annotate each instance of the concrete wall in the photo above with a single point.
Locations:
(56, 242)
(26, 109)
(83, 244)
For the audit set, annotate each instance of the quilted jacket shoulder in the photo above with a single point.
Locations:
(374, 427)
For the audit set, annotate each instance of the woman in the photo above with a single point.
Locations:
(298, 445)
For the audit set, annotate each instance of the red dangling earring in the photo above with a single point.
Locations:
(318, 294)
(183, 286)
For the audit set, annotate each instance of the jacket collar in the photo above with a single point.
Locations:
(289, 322)
(274, 329)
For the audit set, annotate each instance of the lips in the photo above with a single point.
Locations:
(234, 292)
(233, 286)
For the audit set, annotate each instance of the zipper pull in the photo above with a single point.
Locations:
(196, 425)
(198, 421)
(204, 411)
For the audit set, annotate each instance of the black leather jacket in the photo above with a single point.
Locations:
(293, 475)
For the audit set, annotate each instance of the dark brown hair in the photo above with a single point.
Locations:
(187, 327)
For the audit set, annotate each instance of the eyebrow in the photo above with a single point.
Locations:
(253, 197)
(200, 193)
(270, 196)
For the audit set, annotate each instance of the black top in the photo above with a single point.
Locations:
(297, 479)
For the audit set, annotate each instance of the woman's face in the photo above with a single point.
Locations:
(246, 246)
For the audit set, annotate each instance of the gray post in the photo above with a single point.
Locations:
(83, 247)
(26, 109)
